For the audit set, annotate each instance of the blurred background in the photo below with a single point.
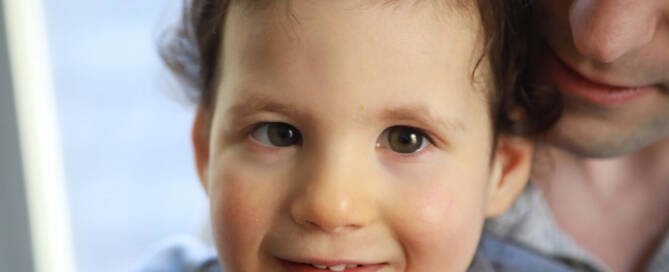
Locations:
(106, 171)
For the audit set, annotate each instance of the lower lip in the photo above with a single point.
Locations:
(573, 84)
(298, 267)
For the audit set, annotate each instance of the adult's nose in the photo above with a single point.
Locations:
(334, 195)
(605, 30)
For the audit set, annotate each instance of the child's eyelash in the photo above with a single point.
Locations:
(247, 129)
(404, 140)
(276, 134)
(426, 135)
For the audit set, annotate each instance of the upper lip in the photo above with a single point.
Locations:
(329, 262)
(598, 80)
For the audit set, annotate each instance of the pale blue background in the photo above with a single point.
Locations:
(125, 130)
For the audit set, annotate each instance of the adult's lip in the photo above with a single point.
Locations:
(574, 84)
(320, 265)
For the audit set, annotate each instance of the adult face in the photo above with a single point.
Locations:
(610, 59)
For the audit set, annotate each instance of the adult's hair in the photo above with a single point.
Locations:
(192, 52)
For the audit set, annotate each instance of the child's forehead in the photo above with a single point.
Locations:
(296, 11)
(340, 30)
(350, 49)
(333, 53)
(462, 6)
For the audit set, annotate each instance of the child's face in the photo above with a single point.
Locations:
(349, 133)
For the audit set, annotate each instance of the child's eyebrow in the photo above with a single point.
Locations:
(423, 117)
(240, 111)
(253, 104)
(257, 103)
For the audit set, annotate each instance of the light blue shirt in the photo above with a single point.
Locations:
(530, 223)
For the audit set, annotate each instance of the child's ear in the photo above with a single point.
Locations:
(510, 172)
(200, 137)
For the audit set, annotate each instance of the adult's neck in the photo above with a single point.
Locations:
(599, 201)
(646, 168)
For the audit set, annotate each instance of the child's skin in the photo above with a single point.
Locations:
(338, 75)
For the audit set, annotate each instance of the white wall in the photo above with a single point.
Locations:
(125, 130)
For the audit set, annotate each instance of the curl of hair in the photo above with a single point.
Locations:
(507, 25)
(191, 49)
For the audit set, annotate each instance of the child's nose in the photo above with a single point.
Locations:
(334, 196)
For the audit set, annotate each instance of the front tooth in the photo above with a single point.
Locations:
(320, 266)
(351, 265)
(339, 267)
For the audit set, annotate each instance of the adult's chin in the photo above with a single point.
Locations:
(600, 139)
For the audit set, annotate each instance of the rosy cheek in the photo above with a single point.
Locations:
(441, 226)
(444, 216)
(431, 211)
(236, 216)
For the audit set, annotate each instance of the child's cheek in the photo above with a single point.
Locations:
(242, 204)
(439, 223)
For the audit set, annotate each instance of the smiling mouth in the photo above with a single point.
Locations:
(339, 267)
(576, 85)
(330, 266)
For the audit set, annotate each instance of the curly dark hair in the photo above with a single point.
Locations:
(191, 51)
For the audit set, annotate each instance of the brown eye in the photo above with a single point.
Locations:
(277, 134)
(404, 139)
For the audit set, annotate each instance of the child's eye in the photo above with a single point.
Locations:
(403, 139)
(276, 134)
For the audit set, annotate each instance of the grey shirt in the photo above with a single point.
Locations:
(529, 223)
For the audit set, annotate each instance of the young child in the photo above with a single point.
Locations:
(357, 135)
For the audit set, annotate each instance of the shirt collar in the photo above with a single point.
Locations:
(530, 223)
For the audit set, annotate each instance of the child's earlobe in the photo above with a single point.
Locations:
(509, 173)
(200, 138)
